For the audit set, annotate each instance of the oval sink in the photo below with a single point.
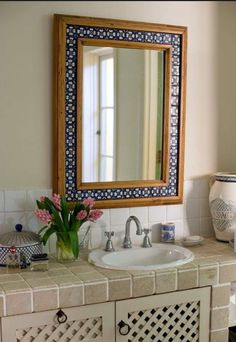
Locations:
(137, 258)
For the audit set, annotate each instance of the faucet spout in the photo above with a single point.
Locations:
(127, 240)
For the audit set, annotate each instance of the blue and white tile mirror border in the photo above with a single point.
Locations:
(68, 30)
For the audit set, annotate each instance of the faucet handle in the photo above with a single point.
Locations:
(109, 245)
(147, 231)
(109, 234)
(146, 239)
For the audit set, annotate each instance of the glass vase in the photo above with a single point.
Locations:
(64, 248)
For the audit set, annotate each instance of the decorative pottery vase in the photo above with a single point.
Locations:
(222, 201)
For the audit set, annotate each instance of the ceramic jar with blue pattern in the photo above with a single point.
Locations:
(222, 201)
(168, 232)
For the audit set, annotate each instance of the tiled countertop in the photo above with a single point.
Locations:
(80, 283)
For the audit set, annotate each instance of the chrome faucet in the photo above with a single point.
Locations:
(127, 241)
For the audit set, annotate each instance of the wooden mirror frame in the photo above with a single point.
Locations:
(70, 34)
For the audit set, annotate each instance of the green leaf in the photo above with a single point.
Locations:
(73, 219)
(47, 234)
(56, 228)
(75, 226)
(41, 205)
(74, 242)
(58, 220)
(65, 212)
(79, 206)
(42, 229)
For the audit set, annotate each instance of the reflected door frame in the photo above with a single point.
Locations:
(93, 132)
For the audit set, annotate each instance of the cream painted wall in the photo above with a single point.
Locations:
(26, 81)
(227, 87)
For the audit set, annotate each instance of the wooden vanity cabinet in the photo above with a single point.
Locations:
(175, 316)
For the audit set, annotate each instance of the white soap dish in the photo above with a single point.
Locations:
(192, 240)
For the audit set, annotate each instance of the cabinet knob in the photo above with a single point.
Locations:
(61, 317)
(124, 328)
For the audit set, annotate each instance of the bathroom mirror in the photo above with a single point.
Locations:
(122, 112)
(119, 107)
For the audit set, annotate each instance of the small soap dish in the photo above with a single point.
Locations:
(192, 240)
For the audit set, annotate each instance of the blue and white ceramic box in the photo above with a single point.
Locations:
(168, 232)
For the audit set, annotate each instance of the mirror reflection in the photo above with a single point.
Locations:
(122, 114)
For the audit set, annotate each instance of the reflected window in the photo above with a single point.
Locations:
(106, 114)
(98, 115)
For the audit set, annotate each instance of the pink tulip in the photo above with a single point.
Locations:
(89, 202)
(95, 214)
(57, 201)
(43, 215)
(81, 215)
(42, 199)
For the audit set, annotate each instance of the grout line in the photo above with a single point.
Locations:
(143, 276)
(221, 285)
(68, 286)
(187, 270)
(220, 307)
(4, 200)
(31, 293)
(4, 305)
(32, 300)
(216, 330)
(118, 279)
(107, 290)
(176, 279)
(218, 274)
(109, 218)
(198, 276)
(43, 289)
(58, 296)
(83, 294)
(89, 283)
(18, 292)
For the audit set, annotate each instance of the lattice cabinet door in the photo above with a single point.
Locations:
(90, 323)
(181, 316)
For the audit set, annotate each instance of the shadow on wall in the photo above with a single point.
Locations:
(226, 55)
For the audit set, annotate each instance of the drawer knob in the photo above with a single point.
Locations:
(124, 328)
(61, 317)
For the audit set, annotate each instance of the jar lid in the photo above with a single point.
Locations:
(225, 177)
(19, 238)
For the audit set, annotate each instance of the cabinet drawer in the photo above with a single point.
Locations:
(177, 316)
(93, 323)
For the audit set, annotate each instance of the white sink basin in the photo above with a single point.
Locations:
(158, 256)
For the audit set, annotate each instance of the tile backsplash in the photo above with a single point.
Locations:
(190, 218)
